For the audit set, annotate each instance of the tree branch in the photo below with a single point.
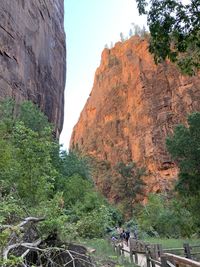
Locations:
(26, 245)
(30, 219)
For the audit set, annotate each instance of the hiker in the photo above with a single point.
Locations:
(127, 236)
(122, 235)
(114, 239)
(118, 230)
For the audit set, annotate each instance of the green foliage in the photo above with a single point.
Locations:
(172, 242)
(4, 236)
(177, 217)
(104, 253)
(11, 262)
(91, 225)
(184, 146)
(25, 153)
(166, 218)
(10, 209)
(32, 117)
(57, 220)
(75, 189)
(175, 33)
(74, 163)
(94, 215)
(35, 173)
(128, 185)
(7, 114)
(37, 179)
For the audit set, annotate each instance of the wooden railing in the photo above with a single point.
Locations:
(154, 255)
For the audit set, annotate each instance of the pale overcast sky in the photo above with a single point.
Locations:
(89, 25)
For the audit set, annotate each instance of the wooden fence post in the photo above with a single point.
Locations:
(160, 250)
(114, 246)
(131, 256)
(156, 251)
(131, 250)
(187, 250)
(136, 257)
(163, 261)
(153, 254)
(118, 250)
(147, 256)
(122, 250)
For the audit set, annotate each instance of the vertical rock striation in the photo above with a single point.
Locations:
(33, 54)
(133, 106)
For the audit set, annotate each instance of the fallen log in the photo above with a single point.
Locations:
(38, 252)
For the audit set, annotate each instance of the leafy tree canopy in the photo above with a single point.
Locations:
(175, 32)
(162, 216)
(127, 185)
(36, 179)
(184, 146)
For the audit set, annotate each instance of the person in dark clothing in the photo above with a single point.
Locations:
(122, 235)
(127, 236)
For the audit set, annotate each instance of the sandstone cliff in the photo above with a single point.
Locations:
(133, 106)
(32, 54)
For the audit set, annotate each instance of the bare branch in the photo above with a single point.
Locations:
(3, 227)
(25, 253)
(30, 219)
(26, 245)
(24, 222)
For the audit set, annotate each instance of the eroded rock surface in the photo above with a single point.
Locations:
(32, 54)
(133, 106)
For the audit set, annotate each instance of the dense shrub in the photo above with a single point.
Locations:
(37, 179)
(165, 217)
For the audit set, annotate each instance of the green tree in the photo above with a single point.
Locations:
(37, 179)
(75, 188)
(175, 32)
(184, 146)
(166, 217)
(32, 117)
(127, 185)
(75, 163)
(26, 146)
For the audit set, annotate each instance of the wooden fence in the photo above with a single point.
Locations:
(154, 255)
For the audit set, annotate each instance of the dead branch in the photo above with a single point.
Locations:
(21, 224)
(38, 252)
(25, 253)
(3, 227)
(30, 219)
(26, 245)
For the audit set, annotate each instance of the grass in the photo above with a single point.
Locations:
(172, 242)
(176, 243)
(103, 247)
(104, 253)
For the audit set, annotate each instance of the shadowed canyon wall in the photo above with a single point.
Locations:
(33, 54)
(133, 106)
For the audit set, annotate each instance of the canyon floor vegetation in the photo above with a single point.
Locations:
(54, 188)
(39, 180)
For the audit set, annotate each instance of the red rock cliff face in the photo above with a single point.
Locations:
(133, 106)
(32, 54)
